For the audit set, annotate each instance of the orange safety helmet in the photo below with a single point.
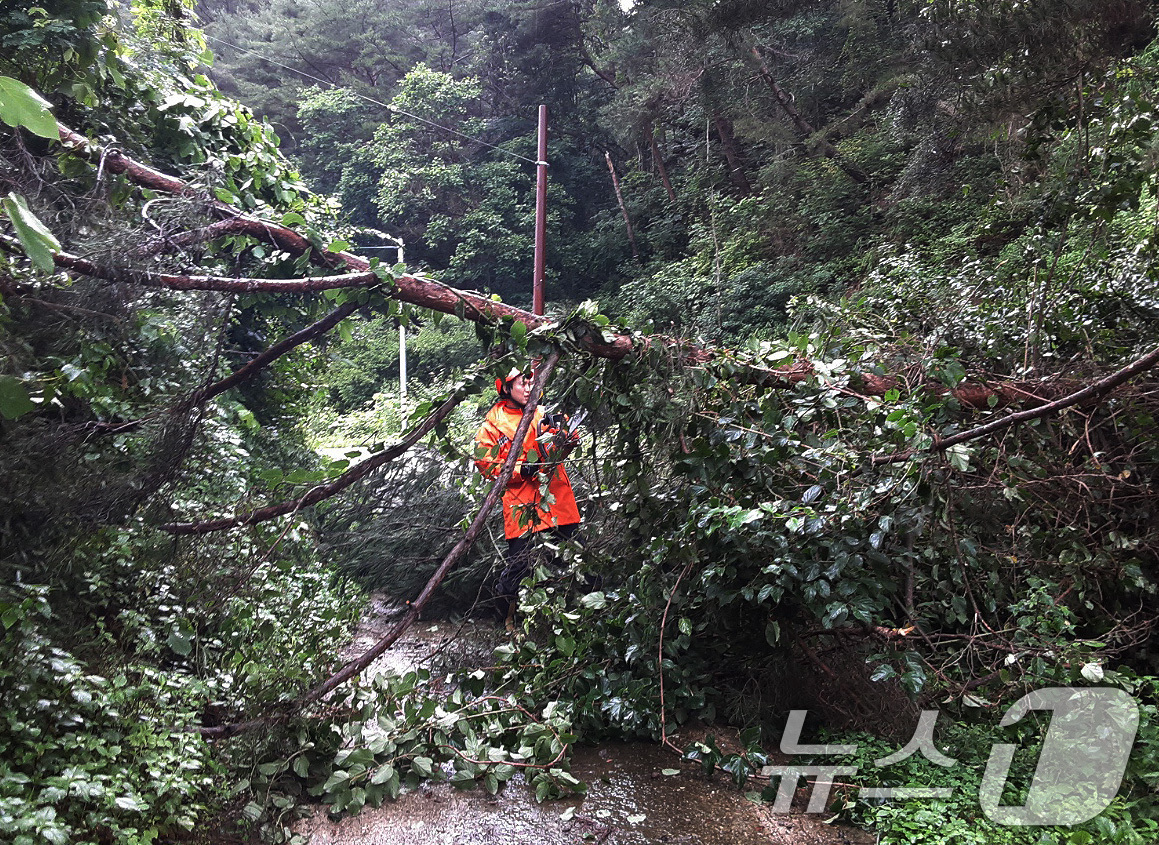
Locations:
(501, 383)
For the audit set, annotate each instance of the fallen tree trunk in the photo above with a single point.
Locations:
(436, 296)
(428, 293)
(1091, 393)
(415, 607)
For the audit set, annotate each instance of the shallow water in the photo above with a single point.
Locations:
(629, 801)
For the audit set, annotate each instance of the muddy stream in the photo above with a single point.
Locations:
(629, 800)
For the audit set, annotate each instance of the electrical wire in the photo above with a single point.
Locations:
(387, 106)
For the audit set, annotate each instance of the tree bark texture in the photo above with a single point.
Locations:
(623, 208)
(658, 162)
(731, 153)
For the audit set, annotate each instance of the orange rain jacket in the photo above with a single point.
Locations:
(492, 445)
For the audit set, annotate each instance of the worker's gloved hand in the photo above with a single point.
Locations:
(553, 438)
(529, 471)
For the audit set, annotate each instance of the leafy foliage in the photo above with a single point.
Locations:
(927, 200)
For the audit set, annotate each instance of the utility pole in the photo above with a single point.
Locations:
(540, 216)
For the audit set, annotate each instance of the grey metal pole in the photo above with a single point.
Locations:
(401, 357)
(540, 216)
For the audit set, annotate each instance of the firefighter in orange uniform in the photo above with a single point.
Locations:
(526, 510)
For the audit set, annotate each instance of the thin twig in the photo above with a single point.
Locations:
(660, 655)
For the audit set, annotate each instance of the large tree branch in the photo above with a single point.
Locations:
(323, 491)
(609, 76)
(229, 226)
(452, 558)
(425, 293)
(254, 366)
(271, 354)
(114, 161)
(227, 284)
(1091, 393)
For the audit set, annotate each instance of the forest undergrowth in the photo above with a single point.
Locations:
(870, 396)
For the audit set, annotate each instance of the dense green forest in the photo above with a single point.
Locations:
(859, 295)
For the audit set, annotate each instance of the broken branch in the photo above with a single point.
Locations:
(1091, 393)
(323, 491)
(415, 607)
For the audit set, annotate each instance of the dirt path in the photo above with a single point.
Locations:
(630, 800)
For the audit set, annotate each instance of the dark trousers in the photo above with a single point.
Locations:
(520, 556)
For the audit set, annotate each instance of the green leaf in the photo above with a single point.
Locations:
(131, 803)
(21, 106)
(594, 601)
(10, 616)
(462, 779)
(392, 786)
(335, 780)
(959, 457)
(518, 331)
(952, 373)
(1093, 672)
(181, 637)
(14, 401)
(38, 242)
(543, 788)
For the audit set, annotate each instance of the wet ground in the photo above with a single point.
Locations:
(630, 800)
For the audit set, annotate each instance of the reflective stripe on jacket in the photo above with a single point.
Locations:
(492, 445)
